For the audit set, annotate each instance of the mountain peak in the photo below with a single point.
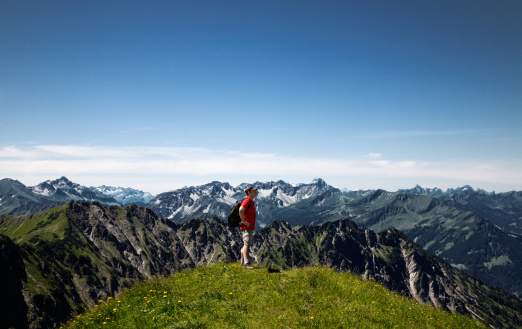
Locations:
(124, 195)
(466, 188)
(62, 179)
(319, 182)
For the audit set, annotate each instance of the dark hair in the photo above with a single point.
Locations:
(249, 189)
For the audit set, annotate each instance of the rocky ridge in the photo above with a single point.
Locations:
(81, 252)
(215, 199)
(502, 209)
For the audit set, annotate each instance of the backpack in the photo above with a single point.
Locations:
(233, 218)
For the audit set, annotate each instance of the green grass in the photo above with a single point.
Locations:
(228, 296)
(50, 226)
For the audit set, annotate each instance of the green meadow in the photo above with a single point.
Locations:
(228, 296)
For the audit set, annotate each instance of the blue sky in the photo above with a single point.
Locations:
(364, 94)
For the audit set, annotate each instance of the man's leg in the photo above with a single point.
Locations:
(244, 253)
(247, 242)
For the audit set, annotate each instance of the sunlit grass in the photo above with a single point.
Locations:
(228, 296)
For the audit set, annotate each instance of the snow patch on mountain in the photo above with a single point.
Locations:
(265, 193)
(63, 190)
(124, 195)
(287, 199)
(228, 199)
(216, 198)
(41, 191)
(183, 211)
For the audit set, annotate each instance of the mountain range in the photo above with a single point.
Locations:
(502, 209)
(463, 226)
(64, 259)
(216, 198)
(462, 237)
(18, 199)
(124, 195)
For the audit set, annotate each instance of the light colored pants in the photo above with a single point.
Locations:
(248, 236)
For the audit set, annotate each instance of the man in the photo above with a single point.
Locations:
(247, 212)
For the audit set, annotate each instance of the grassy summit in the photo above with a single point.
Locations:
(227, 296)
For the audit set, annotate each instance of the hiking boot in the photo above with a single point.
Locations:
(249, 260)
(248, 267)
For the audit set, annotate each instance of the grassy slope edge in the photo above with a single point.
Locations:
(227, 296)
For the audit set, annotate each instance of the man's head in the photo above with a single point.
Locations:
(251, 192)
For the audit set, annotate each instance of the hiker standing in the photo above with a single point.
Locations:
(247, 212)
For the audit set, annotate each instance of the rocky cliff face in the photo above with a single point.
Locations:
(76, 254)
(390, 258)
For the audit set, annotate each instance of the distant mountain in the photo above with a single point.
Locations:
(280, 195)
(216, 199)
(206, 201)
(64, 190)
(124, 195)
(55, 263)
(18, 199)
(502, 209)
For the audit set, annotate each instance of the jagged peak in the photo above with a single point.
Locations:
(12, 182)
(320, 182)
(278, 225)
(58, 180)
(374, 195)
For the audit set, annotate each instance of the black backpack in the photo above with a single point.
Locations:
(233, 218)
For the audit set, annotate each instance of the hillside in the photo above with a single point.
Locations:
(462, 238)
(227, 296)
(502, 209)
(68, 258)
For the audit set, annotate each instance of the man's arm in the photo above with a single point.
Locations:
(242, 211)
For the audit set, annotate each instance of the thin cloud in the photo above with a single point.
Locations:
(58, 160)
(420, 133)
(375, 155)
